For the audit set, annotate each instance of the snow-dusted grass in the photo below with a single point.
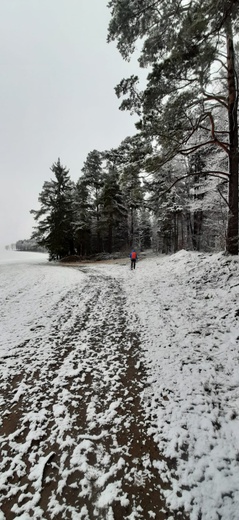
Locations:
(63, 323)
(189, 310)
(30, 293)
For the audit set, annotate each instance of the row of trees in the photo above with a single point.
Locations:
(10, 247)
(102, 212)
(115, 206)
(26, 245)
(29, 245)
(175, 183)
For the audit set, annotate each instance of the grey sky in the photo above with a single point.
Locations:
(57, 98)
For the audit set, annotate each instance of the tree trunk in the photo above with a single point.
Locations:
(232, 225)
(110, 237)
(131, 240)
(182, 232)
(98, 244)
(175, 232)
(188, 231)
(197, 229)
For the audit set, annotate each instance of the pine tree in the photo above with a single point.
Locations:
(82, 216)
(113, 210)
(54, 228)
(207, 203)
(129, 159)
(185, 44)
(93, 178)
(145, 229)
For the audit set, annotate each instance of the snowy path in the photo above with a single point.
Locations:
(120, 390)
(75, 441)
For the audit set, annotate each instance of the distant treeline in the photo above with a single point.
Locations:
(26, 245)
(11, 247)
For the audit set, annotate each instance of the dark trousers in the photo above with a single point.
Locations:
(133, 262)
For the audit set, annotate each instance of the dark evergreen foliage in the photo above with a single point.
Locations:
(184, 44)
(54, 228)
(82, 218)
(93, 179)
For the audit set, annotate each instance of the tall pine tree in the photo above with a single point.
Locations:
(113, 210)
(92, 174)
(54, 228)
(82, 216)
(185, 44)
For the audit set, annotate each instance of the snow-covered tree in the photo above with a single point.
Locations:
(82, 217)
(114, 211)
(93, 179)
(187, 46)
(54, 228)
(129, 159)
(145, 229)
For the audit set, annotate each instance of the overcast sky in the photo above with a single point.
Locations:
(57, 98)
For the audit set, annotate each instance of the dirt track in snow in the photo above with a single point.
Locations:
(75, 439)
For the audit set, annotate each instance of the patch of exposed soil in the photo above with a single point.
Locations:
(75, 441)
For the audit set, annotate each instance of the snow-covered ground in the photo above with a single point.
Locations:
(120, 389)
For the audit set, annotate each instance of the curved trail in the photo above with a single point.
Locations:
(75, 443)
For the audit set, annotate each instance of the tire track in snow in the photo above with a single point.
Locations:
(74, 440)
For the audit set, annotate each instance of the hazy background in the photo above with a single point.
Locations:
(57, 98)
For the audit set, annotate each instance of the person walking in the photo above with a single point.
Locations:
(133, 258)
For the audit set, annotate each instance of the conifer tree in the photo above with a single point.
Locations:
(92, 173)
(129, 158)
(114, 210)
(145, 229)
(187, 45)
(82, 216)
(54, 228)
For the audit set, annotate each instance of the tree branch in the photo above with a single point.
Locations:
(224, 198)
(219, 99)
(211, 173)
(192, 149)
(214, 140)
(222, 64)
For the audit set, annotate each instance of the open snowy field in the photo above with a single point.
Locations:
(119, 389)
